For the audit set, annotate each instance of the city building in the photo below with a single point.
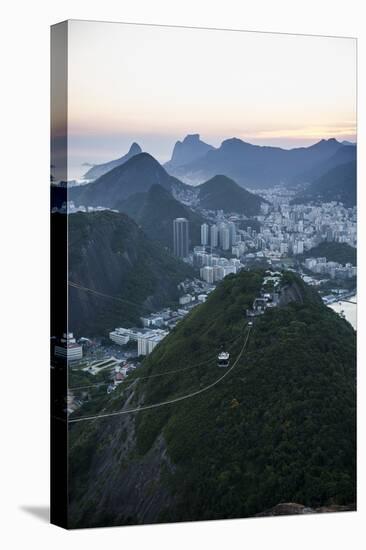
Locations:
(122, 336)
(207, 274)
(186, 299)
(334, 269)
(214, 234)
(232, 231)
(68, 349)
(148, 341)
(181, 237)
(224, 235)
(153, 320)
(204, 234)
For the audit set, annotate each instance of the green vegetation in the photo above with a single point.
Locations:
(110, 254)
(79, 377)
(341, 284)
(338, 184)
(280, 428)
(342, 253)
(292, 436)
(222, 193)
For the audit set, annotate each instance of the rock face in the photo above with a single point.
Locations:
(287, 509)
(100, 169)
(188, 150)
(293, 289)
(130, 493)
(254, 166)
(292, 508)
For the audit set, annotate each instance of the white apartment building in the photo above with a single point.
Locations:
(224, 237)
(186, 299)
(207, 274)
(148, 341)
(204, 234)
(214, 236)
(218, 272)
(122, 336)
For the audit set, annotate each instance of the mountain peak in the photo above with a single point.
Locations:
(135, 149)
(99, 170)
(136, 175)
(144, 159)
(327, 142)
(191, 138)
(188, 150)
(219, 179)
(235, 142)
(223, 193)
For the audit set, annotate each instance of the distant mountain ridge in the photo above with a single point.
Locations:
(155, 211)
(222, 193)
(136, 175)
(338, 184)
(100, 169)
(254, 166)
(188, 150)
(347, 153)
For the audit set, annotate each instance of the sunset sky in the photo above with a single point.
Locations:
(155, 84)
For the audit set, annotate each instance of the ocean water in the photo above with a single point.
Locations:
(350, 310)
(76, 171)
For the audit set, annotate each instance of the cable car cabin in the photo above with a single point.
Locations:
(223, 359)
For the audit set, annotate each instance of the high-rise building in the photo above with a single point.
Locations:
(214, 236)
(148, 341)
(207, 274)
(218, 273)
(204, 234)
(232, 229)
(180, 237)
(298, 247)
(224, 234)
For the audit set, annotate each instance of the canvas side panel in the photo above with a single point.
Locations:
(59, 492)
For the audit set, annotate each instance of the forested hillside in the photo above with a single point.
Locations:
(279, 428)
(110, 254)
